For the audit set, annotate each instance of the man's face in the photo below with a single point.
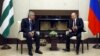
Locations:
(32, 15)
(73, 16)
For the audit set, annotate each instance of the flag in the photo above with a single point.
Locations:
(94, 16)
(7, 18)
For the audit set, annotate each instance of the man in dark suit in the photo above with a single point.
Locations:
(76, 26)
(29, 30)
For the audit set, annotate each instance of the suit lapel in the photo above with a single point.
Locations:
(77, 21)
(27, 20)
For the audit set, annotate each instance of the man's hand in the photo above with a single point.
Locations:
(31, 34)
(74, 28)
(70, 30)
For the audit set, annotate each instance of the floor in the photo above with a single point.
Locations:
(47, 52)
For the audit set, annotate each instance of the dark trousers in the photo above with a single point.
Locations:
(30, 41)
(78, 35)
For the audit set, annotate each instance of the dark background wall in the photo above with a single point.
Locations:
(1, 1)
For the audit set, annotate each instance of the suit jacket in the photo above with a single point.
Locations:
(79, 24)
(25, 26)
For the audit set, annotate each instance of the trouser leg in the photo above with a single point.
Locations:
(68, 41)
(78, 42)
(29, 44)
(37, 42)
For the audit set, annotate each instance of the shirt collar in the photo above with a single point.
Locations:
(75, 19)
(29, 19)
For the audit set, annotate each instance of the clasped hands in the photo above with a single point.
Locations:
(31, 33)
(73, 29)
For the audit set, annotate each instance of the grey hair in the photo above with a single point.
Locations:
(31, 13)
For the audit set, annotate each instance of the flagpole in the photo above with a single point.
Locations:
(7, 19)
(1, 39)
(5, 46)
(97, 46)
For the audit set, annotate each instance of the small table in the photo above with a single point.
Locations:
(54, 42)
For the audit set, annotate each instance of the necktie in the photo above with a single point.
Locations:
(30, 25)
(74, 23)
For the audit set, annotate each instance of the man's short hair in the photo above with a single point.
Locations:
(74, 13)
(31, 13)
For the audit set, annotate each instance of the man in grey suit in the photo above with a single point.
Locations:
(28, 27)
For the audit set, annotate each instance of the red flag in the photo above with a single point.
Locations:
(94, 16)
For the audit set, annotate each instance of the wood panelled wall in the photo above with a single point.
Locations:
(55, 12)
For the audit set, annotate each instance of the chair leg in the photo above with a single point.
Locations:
(21, 47)
(82, 47)
(74, 45)
(17, 44)
(87, 46)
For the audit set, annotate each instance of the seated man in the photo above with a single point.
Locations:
(76, 26)
(28, 29)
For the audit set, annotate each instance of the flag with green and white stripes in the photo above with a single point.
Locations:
(7, 18)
